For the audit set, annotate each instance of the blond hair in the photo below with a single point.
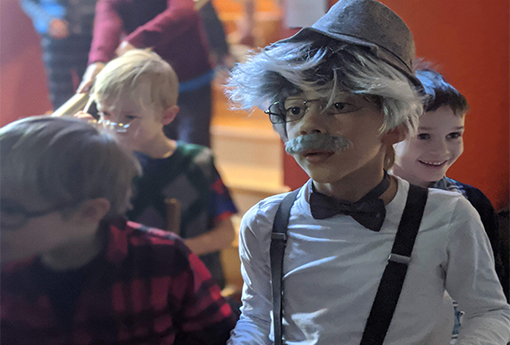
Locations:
(139, 75)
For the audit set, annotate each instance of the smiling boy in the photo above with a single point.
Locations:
(355, 255)
(425, 158)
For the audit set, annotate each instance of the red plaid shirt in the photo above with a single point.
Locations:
(145, 288)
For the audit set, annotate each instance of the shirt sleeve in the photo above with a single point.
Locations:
(471, 280)
(254, 325)
(207, 318)
(108, 28)
(490, 222)
(221, 205)
(179, 16)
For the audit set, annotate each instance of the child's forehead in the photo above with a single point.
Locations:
(444, 117)
(122, 103)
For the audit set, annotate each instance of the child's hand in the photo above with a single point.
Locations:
(89, 75)
(124, 47)
(84, 116)
(58, 29)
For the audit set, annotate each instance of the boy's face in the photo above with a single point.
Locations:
(354, 119)
(24, 234)
(428, 156)
(145, 124)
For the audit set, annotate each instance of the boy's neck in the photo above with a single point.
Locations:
(159, 147)
(74, 255)
(402, 173)
(357, 184)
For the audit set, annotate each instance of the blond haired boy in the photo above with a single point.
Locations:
(136, 95)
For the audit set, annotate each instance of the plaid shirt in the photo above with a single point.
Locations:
(145, 288)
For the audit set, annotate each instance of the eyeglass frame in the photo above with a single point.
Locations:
(28, 215)
(118, 126)
(283, 116)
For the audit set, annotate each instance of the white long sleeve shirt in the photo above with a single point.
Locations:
(332, 269)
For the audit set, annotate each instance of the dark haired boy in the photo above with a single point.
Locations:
(425, 158)
(74, 271)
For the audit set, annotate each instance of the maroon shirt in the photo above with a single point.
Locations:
(173, 28)
(145, 288)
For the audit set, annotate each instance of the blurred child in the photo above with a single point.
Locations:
(74, 271)
(137, 94)
(65, 28)
(175, 30)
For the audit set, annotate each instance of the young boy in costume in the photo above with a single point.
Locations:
(351, 266)
(425, 158)
(137, 95)
(74, 271)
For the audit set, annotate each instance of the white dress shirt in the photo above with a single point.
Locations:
(332, 269)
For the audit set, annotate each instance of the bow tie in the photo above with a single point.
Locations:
(369, 211)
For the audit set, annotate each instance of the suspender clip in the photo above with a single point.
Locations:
(400, 259)
(279, 236)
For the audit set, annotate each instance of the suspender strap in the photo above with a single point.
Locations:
(394, 275)
(277, 252)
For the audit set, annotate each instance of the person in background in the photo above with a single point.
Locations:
(175, 31)
(74, 270)
(220, 55)
(137, 94)
(65, 28)
(326, 264)
(424, 159)
(504, 234)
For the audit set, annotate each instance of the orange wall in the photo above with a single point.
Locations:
(23, 90)
(469, 41)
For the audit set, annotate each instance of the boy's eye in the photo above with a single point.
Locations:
(342, 108)
(294, 111)
(423, 136)
(130, 117)
(103, 114)
(454, 135)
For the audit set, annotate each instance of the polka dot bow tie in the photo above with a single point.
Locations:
(369, 211)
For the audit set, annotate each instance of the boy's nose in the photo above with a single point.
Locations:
(314, 121)
(439, 147)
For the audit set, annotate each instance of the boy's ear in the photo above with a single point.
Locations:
(93, 210)
(394, 135)
(169, 114)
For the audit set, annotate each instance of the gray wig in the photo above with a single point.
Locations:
(329, 66)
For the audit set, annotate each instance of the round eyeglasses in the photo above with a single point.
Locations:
(119, 127)
(293, 109)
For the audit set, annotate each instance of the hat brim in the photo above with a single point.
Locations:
(312, 34)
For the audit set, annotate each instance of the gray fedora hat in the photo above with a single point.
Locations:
(367, 23)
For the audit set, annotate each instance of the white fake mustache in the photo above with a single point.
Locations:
(324, 141)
